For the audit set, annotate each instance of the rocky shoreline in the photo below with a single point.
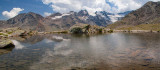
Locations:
(137, 31)
(9, 33)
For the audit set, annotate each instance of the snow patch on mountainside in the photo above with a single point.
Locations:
(58, 17)
(115, 17)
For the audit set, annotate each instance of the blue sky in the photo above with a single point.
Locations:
(36, 6)
(11, 8)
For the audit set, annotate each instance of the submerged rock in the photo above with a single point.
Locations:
(6, 43)
(5, 51)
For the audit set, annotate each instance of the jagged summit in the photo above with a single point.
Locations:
(56, 21)
(83, 13)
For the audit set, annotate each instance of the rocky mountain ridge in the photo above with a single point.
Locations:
(57, 21)
(147, 14)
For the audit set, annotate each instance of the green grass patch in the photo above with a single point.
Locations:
(3, 34)
(9, 32)
(155, 27)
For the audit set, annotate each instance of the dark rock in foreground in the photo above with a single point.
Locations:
(6, 44)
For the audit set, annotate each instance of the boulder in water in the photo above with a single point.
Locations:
(6, 43)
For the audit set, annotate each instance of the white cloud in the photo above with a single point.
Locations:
(124, 5)
(12, 13)
(47, 14)
(64, 6)
(115, 17)
(127, 5)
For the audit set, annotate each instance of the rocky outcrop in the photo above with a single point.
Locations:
(6, 43)
(16, 32)
(87, 29)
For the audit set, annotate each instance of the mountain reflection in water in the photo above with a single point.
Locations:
(116, 51)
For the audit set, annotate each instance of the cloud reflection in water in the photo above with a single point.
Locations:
(113, 51)
(18, 45)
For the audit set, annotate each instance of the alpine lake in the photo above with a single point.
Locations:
(113, 51)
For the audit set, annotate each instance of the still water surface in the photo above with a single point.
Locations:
(116, 51)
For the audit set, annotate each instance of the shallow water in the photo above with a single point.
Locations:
(116, 51)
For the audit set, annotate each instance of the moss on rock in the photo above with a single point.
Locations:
(6, 43)
(86, 28)
(76, 30)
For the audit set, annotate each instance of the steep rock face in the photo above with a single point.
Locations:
(83, 13)
(65, 21)
(62, 21)
(27, 21)
(98, 20)
(3, 24)
(148, 14)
